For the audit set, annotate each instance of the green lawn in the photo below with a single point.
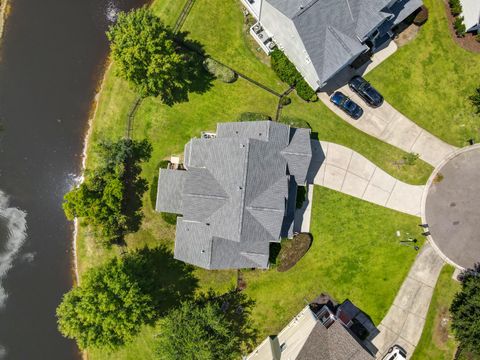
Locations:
(437, 342)
(355, 254)
(348, 233)
(430, 80)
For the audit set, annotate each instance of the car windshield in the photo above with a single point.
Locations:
(349, 104)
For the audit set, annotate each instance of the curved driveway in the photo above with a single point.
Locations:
(340, 168)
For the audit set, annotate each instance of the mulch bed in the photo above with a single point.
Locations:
(293, 250)
(468, 42)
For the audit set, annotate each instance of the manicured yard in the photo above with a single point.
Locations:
(437, 342)
(430, 80)
(355, 254)
(348, 233)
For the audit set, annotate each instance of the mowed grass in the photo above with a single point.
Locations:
(437, 342)
(430, 80)
(348, 233)
(355, 255)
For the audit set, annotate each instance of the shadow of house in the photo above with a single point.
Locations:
(322, 330)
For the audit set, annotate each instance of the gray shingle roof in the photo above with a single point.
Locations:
(234, 194)
(334, 343)
(169, 191)
(333, 31)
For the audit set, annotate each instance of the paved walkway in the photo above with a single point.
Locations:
(385, 122)
(403, 325)
(340, 168)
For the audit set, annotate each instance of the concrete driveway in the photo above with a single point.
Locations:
(342, 169)
(403, 325)
(385, 122)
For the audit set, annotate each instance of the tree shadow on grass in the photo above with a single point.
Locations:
(195, 78)
(166, 280)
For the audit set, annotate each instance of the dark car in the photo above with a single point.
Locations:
(346, 104)
(366, 91)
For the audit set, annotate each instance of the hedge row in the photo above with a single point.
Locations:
(456, 10)
(287, 72)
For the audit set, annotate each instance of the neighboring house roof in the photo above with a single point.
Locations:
(333, 32)
(471, 14)
(306, 338)
(334, 343)
(235, 196)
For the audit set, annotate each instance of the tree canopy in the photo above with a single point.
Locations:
(465, 311)
(107, 310)
(145, 54)
(212, 327)
(115, 300)
(110, 197)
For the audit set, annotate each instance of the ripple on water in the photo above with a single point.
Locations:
(13, 232)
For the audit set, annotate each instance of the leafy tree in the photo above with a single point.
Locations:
(114, 300)
(110, 198)
(107, 310)
(146, 55)
(465, 311)
(213, 327)
(475, 99)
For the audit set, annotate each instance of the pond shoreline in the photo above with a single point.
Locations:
(4, 6)
(86, 142)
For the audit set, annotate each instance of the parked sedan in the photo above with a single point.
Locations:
(366, 91)
(346, 104)
(396, 353)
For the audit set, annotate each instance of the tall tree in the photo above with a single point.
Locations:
(212, 327)
(465, 311)
(107, 310)
(146, 55)
(110, 198)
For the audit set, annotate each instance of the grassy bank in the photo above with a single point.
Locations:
(437, 342)
(430, 80)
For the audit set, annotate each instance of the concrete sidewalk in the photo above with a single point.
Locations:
(340, 168)
(403, 325)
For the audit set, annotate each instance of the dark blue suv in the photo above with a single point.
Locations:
(346, 104)
(366, 91)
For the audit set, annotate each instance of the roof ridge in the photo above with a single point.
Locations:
(208, 196)
(244, 185)
(263, 209)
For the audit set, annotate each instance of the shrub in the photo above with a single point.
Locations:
(301, 196)
(295, 122)
(410, 158)
(252, 116)
(293, 250)
(284, 69)
(477, 37)
(221, 72)
(475, 99)
(169, 218)
(287, 72)
(286, 101)
(421, 17)
(459, 26)
(305, 91)
(455, 7)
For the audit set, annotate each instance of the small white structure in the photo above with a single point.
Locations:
(471, 14)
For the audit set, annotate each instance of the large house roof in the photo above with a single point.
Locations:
(235, 194)
(333, 32)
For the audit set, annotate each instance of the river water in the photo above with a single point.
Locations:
(52, 55)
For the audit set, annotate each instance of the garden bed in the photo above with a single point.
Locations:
(469, 41)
